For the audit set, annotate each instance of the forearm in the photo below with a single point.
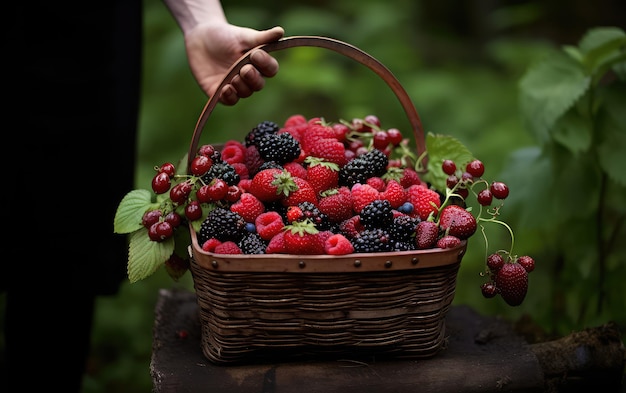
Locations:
(188, 13)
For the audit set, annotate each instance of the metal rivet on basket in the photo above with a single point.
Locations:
(388, 264)
(357, 263)
(301, 264)
(214, 263)
(414, 261)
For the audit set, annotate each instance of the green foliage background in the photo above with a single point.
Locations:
(460, 62)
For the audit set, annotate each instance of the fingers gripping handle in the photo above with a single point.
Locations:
(321, 42)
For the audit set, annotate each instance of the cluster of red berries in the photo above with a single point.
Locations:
(508, 274)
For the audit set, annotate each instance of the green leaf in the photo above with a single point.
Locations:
(440, 148)
(131, 209)
(611, 128)
(600, 47)
(573, 132)
(548, 90)
(146, 256)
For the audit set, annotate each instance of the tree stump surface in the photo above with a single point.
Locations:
(483, 354)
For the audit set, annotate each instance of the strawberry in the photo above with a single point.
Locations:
(338, 244)
(424, 200)
(248, 206)
(276, 244)
(457, 221)
(448, 241)
(303, 192)
(426, 234)
(336, 204)
(394, 193)
(321, 174)
(268, 224)
(271, 184)
(512, 283)
(363, 194)
(302, 237)
(296, 169)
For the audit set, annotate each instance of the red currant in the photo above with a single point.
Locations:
(150, 217)
(193, 211)
(452, 181)
(161, 183)
(160, 231)
(448, 167)
(381, 140)
(463, 192)
(200, 165)
(233, 194)
(395, 136)
(372, 120)
(528, 263)
(485, 197)
(499, 190)
(168, 168)
(467, 177)
(489, 290)
(475, 168)
(495, 262)
(174, 219)
(206, 150)
(180, 192)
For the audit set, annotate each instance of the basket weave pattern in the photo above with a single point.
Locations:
(255, 307)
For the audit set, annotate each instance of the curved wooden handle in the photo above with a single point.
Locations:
(322, 42)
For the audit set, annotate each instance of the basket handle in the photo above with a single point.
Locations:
(322, 42)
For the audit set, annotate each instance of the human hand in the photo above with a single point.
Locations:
(213, 48)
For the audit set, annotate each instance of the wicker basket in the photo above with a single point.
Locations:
(262, 307)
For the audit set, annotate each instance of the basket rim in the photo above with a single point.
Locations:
(322, 263)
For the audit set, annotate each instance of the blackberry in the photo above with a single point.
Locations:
(261, 129)
(377, 214)
(361, 168)
(372, 240)
(281, 148)
(403, 228)
(270, 165)
(252, 243)
(222, 170)
(404, 246)
(312, 213)
(222, 224)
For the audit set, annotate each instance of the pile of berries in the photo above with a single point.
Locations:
(312, 187)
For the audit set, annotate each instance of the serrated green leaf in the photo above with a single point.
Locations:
(573, 132)
(548, 90)
(440, 148)
(146, 256)
(130, 211)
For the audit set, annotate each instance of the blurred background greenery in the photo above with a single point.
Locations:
(460, 61)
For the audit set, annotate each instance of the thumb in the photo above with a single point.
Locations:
(266, 36)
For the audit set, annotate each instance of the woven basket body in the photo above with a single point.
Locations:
(259, 307)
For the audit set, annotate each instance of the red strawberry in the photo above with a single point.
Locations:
(448, 241)
(303, 238)
(276, 244)
(424, 200)
(363, 194)
(248, 206)
(457, 221)
(394, 193)
(271, 184)
(321, 174)
(512, 283)
(338, 244)
(296, 169)
(303, 192)
(426, 234)
(337, 204)
(268, 224)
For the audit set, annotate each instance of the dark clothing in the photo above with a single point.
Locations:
(74, 81)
